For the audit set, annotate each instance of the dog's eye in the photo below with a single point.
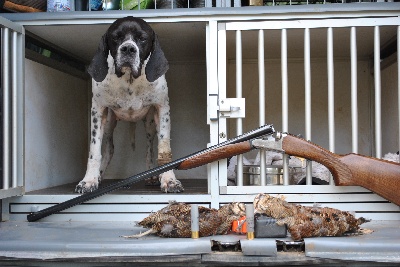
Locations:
(116, 37)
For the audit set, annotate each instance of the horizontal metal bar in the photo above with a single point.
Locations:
(203, 14)
(10, 192)
(135, 208)
(115, 198)
(5, 23)
(312, 24)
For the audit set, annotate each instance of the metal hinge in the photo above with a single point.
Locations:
(226, 108)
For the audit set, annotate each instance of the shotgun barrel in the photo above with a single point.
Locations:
(222, 150)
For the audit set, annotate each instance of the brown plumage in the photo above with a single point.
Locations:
(307, 221)
(174, 220)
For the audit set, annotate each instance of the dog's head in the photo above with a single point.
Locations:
(130, 41)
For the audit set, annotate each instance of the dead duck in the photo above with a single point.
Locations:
(174, 220)
(304, 221)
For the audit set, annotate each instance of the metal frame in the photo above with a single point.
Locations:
(218, 22)
(12, 65)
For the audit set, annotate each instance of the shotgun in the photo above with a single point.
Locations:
(380, 176)
(216, 152)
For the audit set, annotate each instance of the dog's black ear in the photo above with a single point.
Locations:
(98, 67)
(157, 64)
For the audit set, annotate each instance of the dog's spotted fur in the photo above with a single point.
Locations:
(128, 84)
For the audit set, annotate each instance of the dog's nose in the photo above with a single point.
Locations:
(128, 49)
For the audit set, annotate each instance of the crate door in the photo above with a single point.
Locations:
(12, 87)
(278, 66)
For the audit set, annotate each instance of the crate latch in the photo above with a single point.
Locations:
(228, 108)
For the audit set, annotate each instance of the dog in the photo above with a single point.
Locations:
(128, 83)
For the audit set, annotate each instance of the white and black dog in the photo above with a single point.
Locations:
(128, 83)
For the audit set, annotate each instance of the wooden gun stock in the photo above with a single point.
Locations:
(380, 176)
(216, 154)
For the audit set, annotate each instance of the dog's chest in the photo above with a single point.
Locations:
(129, 101)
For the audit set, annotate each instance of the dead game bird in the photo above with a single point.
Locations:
(304, 221)
(174, 220)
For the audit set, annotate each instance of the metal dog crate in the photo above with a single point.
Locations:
(330, 74)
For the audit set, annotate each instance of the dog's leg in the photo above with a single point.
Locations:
(91, 180)
(168, 181)
(151, 131)
(133, 135)
(107, 147)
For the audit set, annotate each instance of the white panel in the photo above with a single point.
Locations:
(56, 124)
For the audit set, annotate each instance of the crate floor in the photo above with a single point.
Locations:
(192, 186)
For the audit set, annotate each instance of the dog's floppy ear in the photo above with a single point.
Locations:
(98, 67)
(157, 64)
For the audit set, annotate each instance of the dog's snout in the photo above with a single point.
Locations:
(128, 49)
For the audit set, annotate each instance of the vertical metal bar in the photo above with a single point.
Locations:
(239, 123)
(6, 106)
(354, 105)
(20, 107)
(212, 88)
(331, 94)
(222, 121)
(14, 91)
(377, 80)
(398, 78)
(307, 80)
(261, 103)
(285, 104)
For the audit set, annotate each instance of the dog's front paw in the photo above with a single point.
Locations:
(86, 186)
(169, 184)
